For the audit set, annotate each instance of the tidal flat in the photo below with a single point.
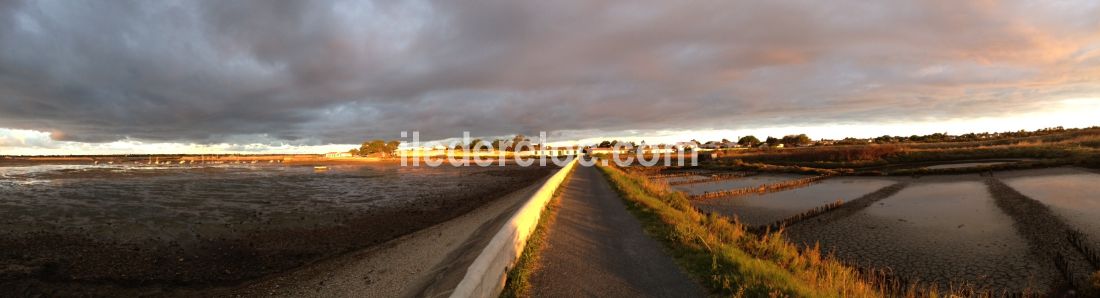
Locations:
(63, 226)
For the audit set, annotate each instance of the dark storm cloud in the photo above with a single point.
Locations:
(341, 71)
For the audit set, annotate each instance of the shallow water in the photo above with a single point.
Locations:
(945, 232)
(1071, 193)
(131, 201)
(965, 165)
(743, 182)
(771, 207)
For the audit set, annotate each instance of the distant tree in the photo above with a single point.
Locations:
(604, 144)
(748, 141)
(354, 151)
(796, 140)
(365, 149)
(803, 139)
(851, 141)
(478, 145)
(773, 141)
(938, 137)
(378, 146)
(518, 141)
(392, 146)
(885, 139)
(724, 141)
(496, 144)
(789, 140)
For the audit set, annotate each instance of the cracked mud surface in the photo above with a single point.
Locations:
(938, 230)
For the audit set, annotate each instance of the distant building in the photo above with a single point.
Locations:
(594, 151)
(337, 154)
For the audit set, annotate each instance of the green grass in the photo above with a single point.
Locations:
(518, 283)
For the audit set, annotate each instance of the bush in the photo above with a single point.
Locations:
(1096, 280)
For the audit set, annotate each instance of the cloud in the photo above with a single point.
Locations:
(321, 72)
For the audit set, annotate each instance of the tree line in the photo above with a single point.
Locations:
(376, 147)
(788, 140)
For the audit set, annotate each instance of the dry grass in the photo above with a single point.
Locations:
(1069, 146)
(830, 153)
(1096, 280)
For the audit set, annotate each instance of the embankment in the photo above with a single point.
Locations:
(486, 276)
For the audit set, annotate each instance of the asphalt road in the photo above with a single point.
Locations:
(595, 248)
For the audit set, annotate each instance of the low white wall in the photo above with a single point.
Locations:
(485, 277)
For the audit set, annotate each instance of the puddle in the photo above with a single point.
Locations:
(750, 181)
(768, 208)
(943, 232)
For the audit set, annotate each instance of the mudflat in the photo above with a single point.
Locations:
(152, 229)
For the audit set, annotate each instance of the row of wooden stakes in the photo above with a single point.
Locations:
(713, 178)
(759, 189)
(798, 217)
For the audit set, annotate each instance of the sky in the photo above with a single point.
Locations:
(102, 77)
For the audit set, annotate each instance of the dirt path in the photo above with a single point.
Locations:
(595, 248)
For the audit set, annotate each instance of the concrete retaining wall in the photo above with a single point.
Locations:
(485, 277)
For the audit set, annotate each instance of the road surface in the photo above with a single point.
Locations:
(595, 248)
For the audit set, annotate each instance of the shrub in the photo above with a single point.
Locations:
(1096, 280)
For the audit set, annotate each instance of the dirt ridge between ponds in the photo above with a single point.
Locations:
(804, 215)
(1045, 232)
(714, 178)
(853, 206)
(764, 188)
